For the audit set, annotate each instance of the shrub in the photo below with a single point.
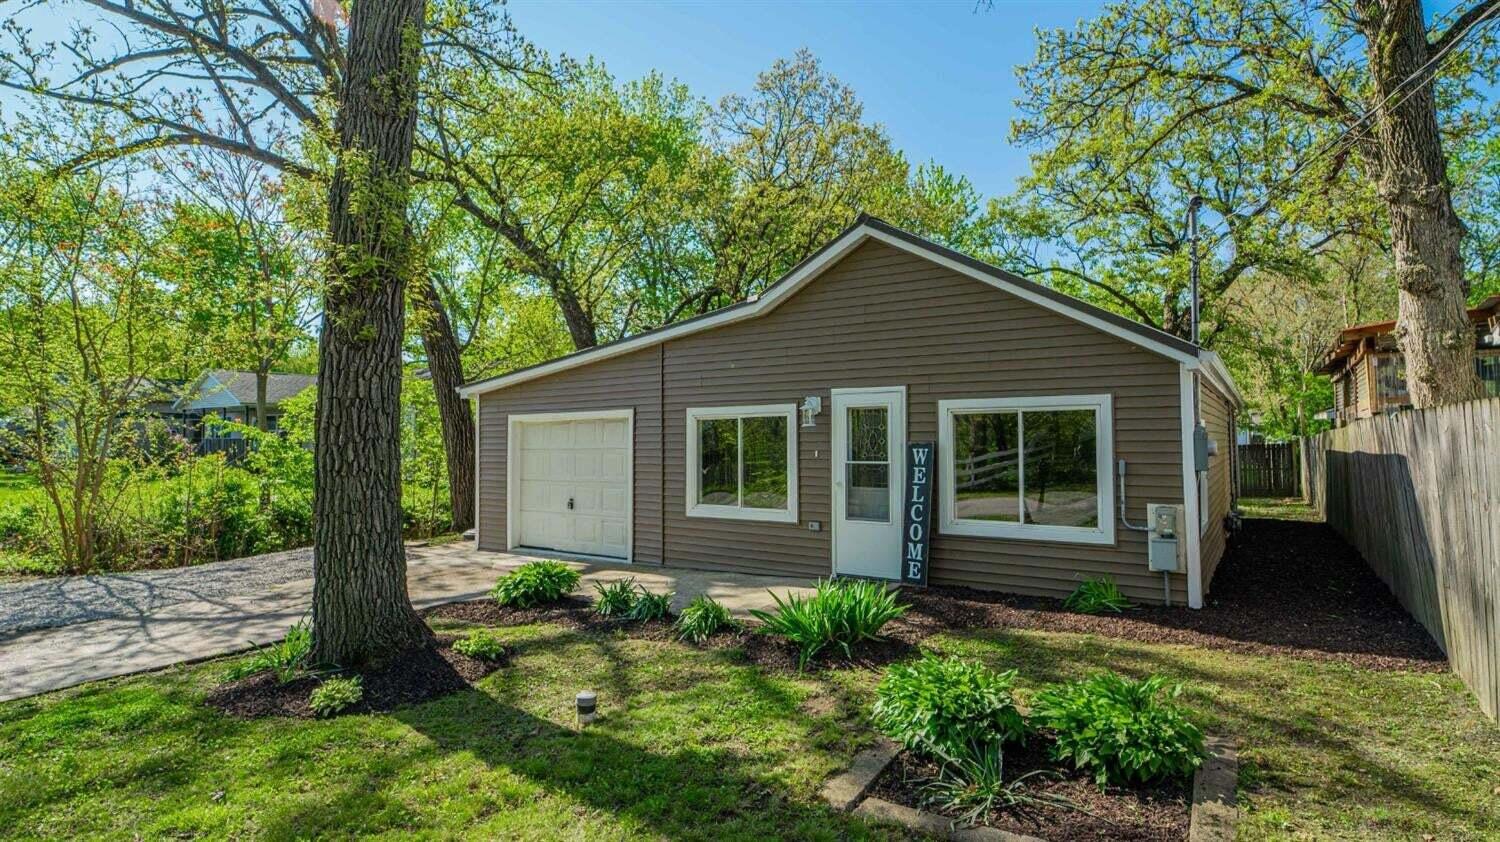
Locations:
(651, 606)
(480, 643)
(841, 613)
(973, 784)
(336, 694)
(285, 659)
(535, 583)
(615, 598)
(1097, 596)
(1120, 729)
(947, 706)
(702, 618)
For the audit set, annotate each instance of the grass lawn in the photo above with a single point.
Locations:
(698, 744)
(15, 487)
(1278, 508)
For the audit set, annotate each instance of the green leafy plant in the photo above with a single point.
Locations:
(947, 706)
(1120, 729)
(973, 785)
(615, 598)
(336, 694)
(1097, 596)
(286, 658)
(535, 583)
(702, 618)
(841, 613)
(651, 606)
(480, 643)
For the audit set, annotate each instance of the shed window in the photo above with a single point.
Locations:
(742, 462)
(1028, 468)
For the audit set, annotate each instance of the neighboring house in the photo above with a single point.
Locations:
(688, 446)
(231, 395)
(1369, 372)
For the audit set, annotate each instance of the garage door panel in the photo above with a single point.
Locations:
(583, 461)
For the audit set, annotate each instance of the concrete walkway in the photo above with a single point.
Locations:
(49, 659)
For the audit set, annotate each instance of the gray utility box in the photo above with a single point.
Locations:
(1163, 545)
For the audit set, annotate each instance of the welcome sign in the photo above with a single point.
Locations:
(915, 537)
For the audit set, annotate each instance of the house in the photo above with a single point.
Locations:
(1369, 373)
(770, 436)
(230, 395)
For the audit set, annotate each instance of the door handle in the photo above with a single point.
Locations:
(570, 504)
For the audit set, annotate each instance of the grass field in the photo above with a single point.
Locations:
(1279, 508)
(15, 487)
(697, 744)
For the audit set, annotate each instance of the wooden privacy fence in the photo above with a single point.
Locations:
(1270, 470)
(1418, 493)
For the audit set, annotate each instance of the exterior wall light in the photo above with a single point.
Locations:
(811, 406)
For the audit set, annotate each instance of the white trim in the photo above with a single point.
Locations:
(1103, 408)
(799, 278)
(1185, 383)
(478, 460)
(898, 463)
(690, 465)
(513, 475)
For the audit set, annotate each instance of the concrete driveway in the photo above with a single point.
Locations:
(131, 623)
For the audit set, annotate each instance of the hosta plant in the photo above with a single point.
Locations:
(839, 614)
(480, 643)
(1120, 730)
(535, 583)
(336, 694)
(945, 707)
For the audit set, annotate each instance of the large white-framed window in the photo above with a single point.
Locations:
(1031, 469)
(742, 462)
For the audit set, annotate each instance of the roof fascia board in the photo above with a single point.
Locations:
(1219, 376)
(799, 278)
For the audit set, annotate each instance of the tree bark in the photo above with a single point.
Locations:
(361, 610)
(1432, 324)
(445, 363)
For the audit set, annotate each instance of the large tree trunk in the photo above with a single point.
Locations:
(446, 366)
(1432, 323)
(361, 610)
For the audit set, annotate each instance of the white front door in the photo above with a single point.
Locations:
(869, 428)
(574, 486)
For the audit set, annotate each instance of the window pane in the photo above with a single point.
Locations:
(869, 493)
(986, 469)
(867, 434)
(718, 456)
(1062, 483)
(765, 463)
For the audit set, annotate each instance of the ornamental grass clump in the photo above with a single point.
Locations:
(1120, 730)
(703, 618)
(948, 708)
(651, 606)
(615, 599)
(974, 784)
(286, 659)
(840, 614)
(1097, 596)
(535, 583)
(336, 694)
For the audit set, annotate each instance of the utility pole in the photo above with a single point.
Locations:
(1193, 204)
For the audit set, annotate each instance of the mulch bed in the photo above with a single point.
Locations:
(420, 674)
(1282, 588)
(1143, 813)
(779, 654)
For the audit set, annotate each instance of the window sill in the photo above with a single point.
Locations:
(739, 513)
(1018, 532)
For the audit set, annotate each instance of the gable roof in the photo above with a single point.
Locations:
(1350, 338)
(864, 229)
(225, 387)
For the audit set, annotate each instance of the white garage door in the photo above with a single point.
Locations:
(574, 493)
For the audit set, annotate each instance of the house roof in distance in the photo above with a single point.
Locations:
(864, 229)
(227, 386)
(1350, 337)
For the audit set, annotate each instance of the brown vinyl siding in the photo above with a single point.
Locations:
(883, 317)
(1218, 416)
(879, 317)
(631, 381)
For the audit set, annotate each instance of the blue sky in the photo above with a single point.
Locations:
(940, 76)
